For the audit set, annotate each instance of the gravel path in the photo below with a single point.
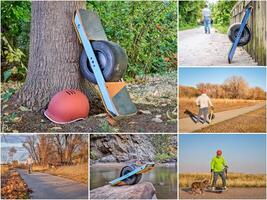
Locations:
(199, 49)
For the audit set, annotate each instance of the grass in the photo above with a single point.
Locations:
(77, 173)
(219, 105)
(252, 122)
(220, 28)
(233, 180)
(188, 26)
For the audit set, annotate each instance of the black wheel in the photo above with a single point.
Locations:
(139, 177)
(245, 37)
(132, 179)
(112, 60)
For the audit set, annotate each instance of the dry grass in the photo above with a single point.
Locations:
(233, 180)
(77, 173)
(219, 105)
(4, 169)
(252, 122)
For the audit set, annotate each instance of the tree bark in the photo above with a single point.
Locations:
(54, 54)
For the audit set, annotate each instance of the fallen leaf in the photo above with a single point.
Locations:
(24, 109)
(55, 128)
(158, 120)
(4, 106)
(147, 112)
(101, 115)
(111, 121)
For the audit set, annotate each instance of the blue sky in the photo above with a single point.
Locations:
(245, 153)
(16, 141)
(255, 76)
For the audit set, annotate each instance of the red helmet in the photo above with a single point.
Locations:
(67, 106)
(219, 152)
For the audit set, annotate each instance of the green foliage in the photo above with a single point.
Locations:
(12, 61)
(221, 14)
(15, 18)
(15, 22)
(190, 13)
(161, 157)
(7, 94)
(147, 30)
(164, 146)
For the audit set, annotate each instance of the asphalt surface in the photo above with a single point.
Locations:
(188, 125)
(46, 186)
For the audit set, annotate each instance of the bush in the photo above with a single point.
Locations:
(190, 13)
(147, 30)
(15, 29)
(221, 12)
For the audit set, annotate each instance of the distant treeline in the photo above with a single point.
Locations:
(234, 87)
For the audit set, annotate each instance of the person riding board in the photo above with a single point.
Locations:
(206, 13)
(203, 102)
(29, 162)
(218, 165)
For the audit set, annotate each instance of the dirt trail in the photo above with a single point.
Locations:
(232, 193)
(187, 125)
(199, 49)
(46, 186)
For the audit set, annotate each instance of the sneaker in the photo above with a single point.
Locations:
(225, 188)
(213, 188)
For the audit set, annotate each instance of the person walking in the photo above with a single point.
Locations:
(206, 13)
(218, 166)
(29, 162)
(203, 102)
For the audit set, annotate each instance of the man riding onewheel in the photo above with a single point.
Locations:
(218, 166)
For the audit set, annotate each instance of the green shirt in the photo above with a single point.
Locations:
(218, 164)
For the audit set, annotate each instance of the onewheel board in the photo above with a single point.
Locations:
(239, 34)
(217, 190)
(132, 174)
(114, 95)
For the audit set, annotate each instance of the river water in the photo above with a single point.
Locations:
(164, 178)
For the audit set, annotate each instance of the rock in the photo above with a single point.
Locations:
(109, 158)
(143, 190)
(121, 147)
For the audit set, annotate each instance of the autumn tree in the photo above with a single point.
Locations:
(57, 148)
(236, 87)
(54, 54)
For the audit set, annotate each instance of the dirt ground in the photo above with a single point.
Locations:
(232, 193)
(252, 122)
(153, 98)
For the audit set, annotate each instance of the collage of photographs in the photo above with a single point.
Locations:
(133, 99)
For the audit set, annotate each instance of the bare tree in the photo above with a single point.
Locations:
(30, 145)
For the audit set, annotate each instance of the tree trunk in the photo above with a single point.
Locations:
(54, 54)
